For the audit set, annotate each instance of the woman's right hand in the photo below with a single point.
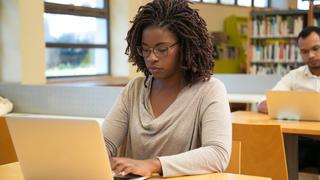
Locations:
(123, 166)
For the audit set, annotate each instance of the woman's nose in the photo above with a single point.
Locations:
(152, 57)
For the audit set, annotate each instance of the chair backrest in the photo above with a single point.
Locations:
(7, 152)
(262, 150)
(235, 159)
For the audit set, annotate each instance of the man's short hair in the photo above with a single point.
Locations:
(308, 30)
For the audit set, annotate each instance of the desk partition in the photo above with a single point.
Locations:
(60, 100)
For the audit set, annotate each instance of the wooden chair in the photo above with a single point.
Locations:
(235, 159)
(7, 152)
(262, 150)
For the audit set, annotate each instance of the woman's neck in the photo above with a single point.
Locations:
(166, 84)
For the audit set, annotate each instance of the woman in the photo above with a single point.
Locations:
(176, 120)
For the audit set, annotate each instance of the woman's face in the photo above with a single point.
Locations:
(160, 50)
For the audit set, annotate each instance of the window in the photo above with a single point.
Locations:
(76, 35)
(229, 2)
(247, 3)
(305, 4)
(261, 4)
(210, 1)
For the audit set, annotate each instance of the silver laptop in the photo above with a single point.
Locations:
(54, 148)
(293, 105)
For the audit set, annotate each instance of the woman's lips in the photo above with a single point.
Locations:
(154, 69)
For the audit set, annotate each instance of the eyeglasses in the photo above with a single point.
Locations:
(305, 52)
(159, 51)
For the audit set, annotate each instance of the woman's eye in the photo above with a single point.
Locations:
(145, 49)
(162, 49)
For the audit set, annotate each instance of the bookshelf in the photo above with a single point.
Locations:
(272, 42)
(231, 44)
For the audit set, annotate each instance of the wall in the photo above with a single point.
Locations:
(292, 4)
(214, 15)
(22, 55)
(119, 24)
(32, 51)
(1, 44)
(10, 35)
(134, 6)
(23, 45)
(22, 39)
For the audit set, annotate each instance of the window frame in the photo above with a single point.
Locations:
(65, 9)
(235, 3)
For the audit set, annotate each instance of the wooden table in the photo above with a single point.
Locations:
(287, 126)
(12, 171)
(7, 152)
(291, 130)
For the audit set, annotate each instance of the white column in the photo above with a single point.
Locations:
(118, 32)
(22, 41)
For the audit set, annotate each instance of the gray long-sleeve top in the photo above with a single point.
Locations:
(192, 136)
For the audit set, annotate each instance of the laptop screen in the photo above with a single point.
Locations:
(293, 105)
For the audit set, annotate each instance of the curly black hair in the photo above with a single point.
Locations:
(196, 54)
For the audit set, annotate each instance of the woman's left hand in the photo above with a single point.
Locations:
(123, 166)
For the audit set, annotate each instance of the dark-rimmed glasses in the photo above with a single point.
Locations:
(159, 51)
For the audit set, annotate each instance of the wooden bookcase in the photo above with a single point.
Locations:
(272, 40)
(232, 58)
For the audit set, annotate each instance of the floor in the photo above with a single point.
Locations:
(308, 176)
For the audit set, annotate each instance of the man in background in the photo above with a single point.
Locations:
(304, 78)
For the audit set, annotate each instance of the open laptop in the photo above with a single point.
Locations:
(293, 105)
(55, 148)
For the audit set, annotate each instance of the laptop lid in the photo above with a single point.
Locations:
(54, 148)
(293, 105)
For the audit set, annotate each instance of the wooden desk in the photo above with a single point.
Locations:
(291, 129)
(12, 171)
(7, 152)
(287, 126)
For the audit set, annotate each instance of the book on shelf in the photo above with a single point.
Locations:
(270, 69)
(273, 40)
(277, 51)
(277, 26)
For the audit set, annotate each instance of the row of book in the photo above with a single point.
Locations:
(277, 26)
(276, 51)
(281, 69)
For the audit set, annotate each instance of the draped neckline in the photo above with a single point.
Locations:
(170, 108)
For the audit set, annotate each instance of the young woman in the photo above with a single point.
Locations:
(176, 120)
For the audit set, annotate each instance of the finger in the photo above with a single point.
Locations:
(120, 168)
(115, 162)
(127, 170)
